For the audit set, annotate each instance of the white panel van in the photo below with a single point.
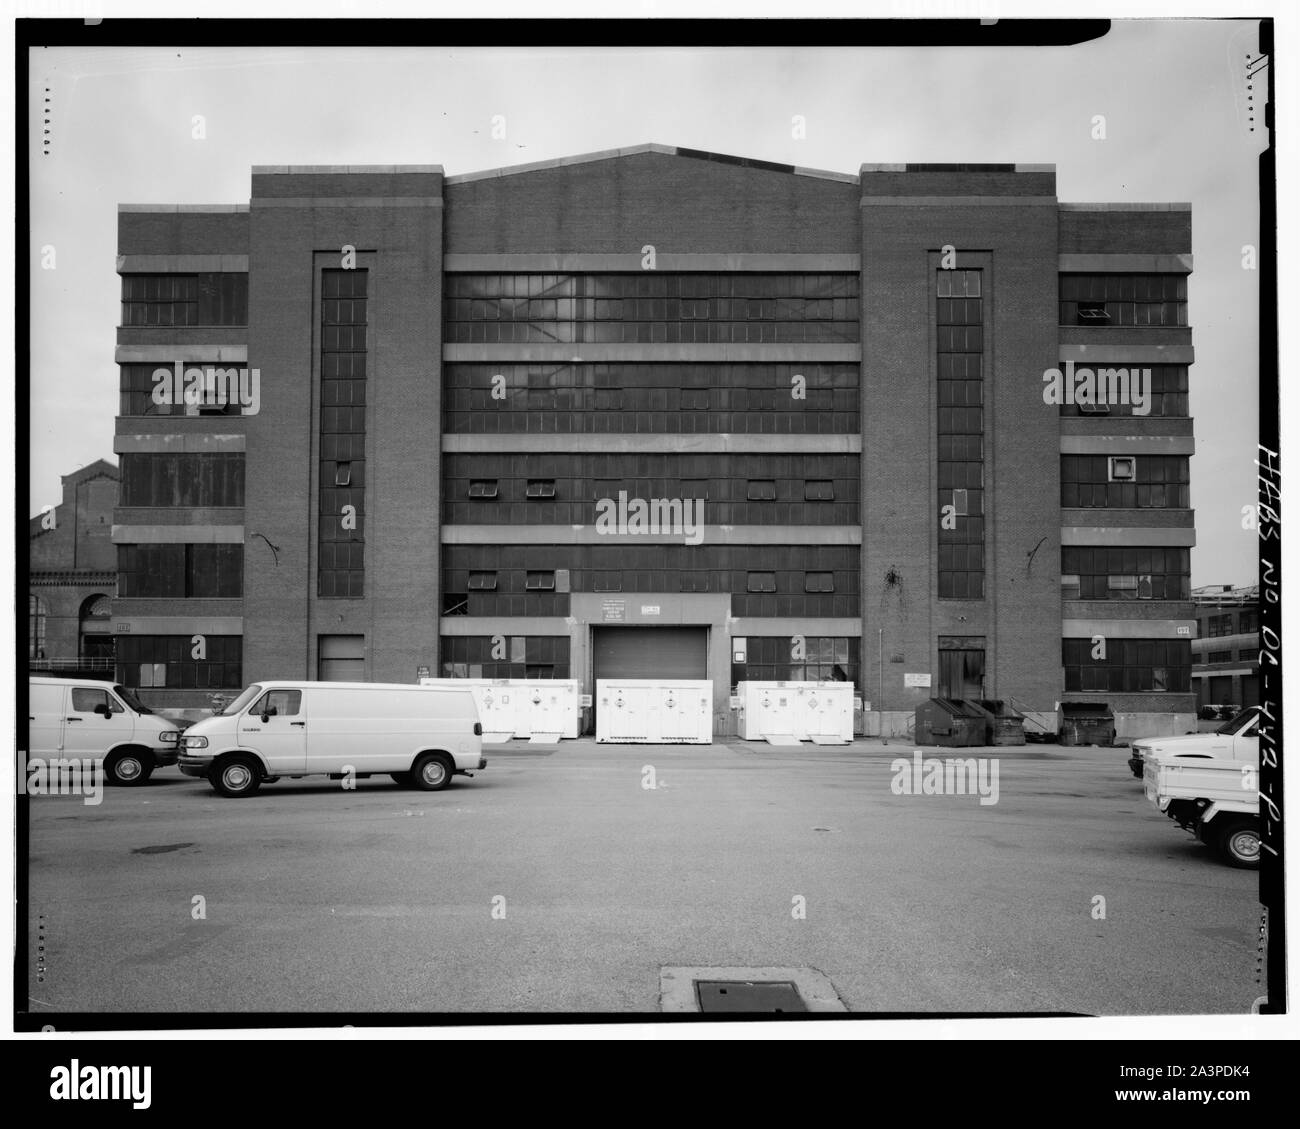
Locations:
(419, 735)
(83, 719)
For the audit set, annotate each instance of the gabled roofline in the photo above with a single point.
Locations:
(648, 147)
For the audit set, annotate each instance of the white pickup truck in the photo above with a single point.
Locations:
(1208, 783)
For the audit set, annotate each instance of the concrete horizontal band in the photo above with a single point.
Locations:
(758, 626)
(625, 444)
(1101, 354)
(347, 202)
(1142, 264)
(197, 209)
(665, 261)
(503, 625)
(339, 170)
(178, 534)
(712, 535)
(195, 442)
(181, 264)
(1249, 640)
(1129, 628)
(958, 201)
(169, 354)
(179, 625)
(1143, 207)
(596, 354)
(870, 167)
(1119, 536)
(1224, 672)
(1128, 445)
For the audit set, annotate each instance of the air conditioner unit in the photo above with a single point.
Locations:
(1123, 468)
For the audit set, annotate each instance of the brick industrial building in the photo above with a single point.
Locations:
(1225, 654)
(451, 379)
(72, 575)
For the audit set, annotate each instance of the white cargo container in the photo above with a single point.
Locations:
(521, 707)
(821, 712)
(654, 711)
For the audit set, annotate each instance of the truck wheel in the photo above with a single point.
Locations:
(128, 768)
(236, 776)
(431, 772)
(1239, 843)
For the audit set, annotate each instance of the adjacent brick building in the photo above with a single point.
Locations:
(72, 576)
(460, 375)
(1225, 655)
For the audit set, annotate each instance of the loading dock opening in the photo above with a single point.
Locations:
(665, 653)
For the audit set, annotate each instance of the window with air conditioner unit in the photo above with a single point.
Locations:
(1123, 468)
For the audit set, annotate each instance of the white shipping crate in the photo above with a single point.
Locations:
(521, 707)
(803, 710)
(654, 711)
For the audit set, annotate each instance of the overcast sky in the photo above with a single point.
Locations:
(1172, 92)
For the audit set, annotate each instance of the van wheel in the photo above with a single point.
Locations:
(128, 768)
(1239, 843)
(402, 778)
(431, 772)
(236, 776)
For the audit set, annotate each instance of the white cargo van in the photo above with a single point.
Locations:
(82, 719)
(419, 735)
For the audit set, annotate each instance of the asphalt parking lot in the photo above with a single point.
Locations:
(556, 880)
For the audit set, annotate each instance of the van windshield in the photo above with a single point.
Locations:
(131, 700)
(243, 700)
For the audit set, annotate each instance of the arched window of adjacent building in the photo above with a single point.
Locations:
(36, 616)
(95, 628)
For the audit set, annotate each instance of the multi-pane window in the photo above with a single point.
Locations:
(1217, 626)
(1131, 482)
(185, 299)
(217, 390)
(1127, 573)
(780, 574)
(180, 571)
(1247, 622)
(168, 662)
(156, 479)
(1163, 393)
(343, 356)
(649, 307)
(1219, 657)
(523, 656)
(1123, 299)
(960, 317)
(651, 398)
(1129, 665)
(37, 613)
(564, 489)
(812, 658)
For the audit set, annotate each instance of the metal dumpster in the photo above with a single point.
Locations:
(1006, 726)
(950, 722)
(1086, 723)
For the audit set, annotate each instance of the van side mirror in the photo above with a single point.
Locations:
(268, 713)
(103, 710)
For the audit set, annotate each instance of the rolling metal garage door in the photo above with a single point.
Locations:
(650, 652)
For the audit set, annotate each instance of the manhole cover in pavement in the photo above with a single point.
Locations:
(748, 995)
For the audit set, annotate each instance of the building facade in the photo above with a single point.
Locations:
(1225, 655)
(658, 412)
(72, 576)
